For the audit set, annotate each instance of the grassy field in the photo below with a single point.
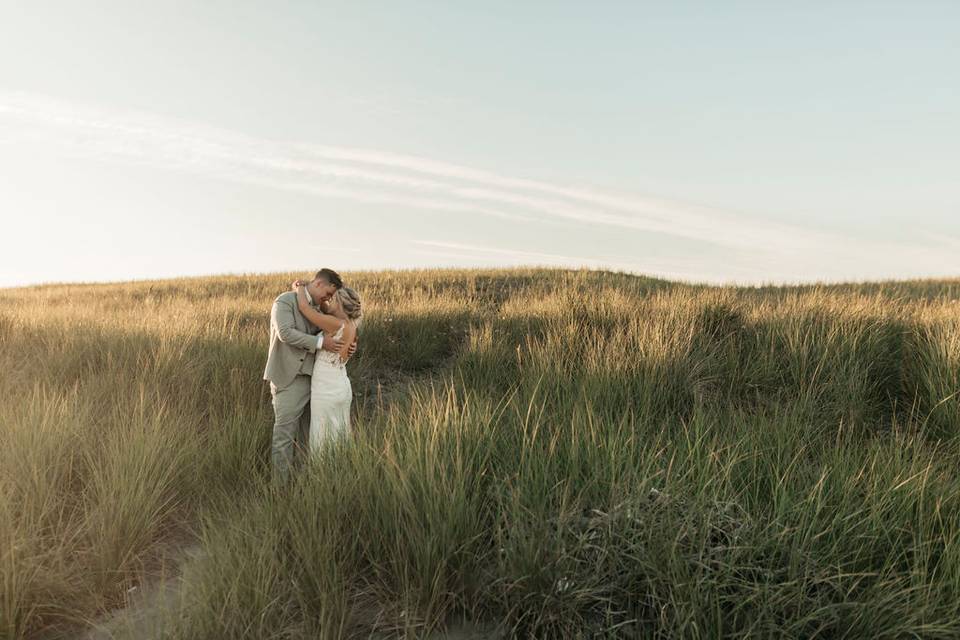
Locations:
(559, 453)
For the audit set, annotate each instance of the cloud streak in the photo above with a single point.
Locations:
(380, 177)
(364, 175)
(690, 269)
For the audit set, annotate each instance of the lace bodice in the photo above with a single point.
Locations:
(329, 357)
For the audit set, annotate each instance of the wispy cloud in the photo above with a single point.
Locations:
(382, 177)
(690, 269)
(584, 204)
(365, 175)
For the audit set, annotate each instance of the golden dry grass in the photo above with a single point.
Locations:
(555, 452)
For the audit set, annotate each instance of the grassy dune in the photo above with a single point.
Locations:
(558, 453)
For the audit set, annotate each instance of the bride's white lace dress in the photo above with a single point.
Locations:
(330, 396)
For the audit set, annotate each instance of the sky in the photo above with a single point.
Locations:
(723, 142)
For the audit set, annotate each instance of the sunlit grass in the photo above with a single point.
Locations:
(553, 452)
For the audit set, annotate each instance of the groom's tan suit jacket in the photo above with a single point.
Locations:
(293, 341)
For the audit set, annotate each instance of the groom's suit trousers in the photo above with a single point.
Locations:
(291, 427)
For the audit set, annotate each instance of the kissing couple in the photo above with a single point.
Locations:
(313, 332)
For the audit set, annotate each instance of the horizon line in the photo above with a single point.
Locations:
(514, 267)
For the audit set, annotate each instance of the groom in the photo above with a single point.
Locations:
(293, 344)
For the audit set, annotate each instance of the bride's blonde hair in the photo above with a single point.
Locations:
(350, 302)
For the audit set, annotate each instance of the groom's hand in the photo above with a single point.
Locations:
(332, 344)
(353, 348)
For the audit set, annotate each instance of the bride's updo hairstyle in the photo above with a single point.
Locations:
(350, 303)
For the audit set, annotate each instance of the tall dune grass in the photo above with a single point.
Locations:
(548, 453)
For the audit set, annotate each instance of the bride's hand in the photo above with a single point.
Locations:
(297, 284)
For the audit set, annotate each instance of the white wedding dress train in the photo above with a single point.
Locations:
(330, 396)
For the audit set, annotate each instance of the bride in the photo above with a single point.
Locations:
(330, 389)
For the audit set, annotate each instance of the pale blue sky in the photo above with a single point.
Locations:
(712, 141)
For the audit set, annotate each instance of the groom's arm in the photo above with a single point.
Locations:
(282, 316)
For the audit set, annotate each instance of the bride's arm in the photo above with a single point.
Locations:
(327, 323)
(349, 342)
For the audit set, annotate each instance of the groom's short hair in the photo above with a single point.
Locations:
(330, 276)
